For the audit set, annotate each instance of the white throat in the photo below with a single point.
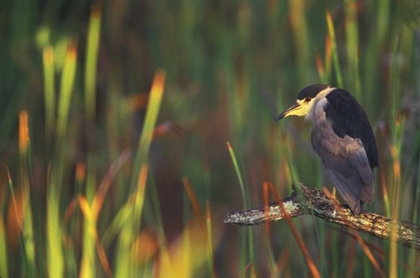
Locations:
(317, 112)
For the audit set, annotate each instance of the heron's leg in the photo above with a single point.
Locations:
(334, 199)
(334, 192)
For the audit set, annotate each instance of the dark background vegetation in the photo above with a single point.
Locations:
(231, 67)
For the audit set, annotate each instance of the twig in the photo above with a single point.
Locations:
(313, 202)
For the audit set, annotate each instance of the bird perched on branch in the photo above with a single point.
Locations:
(343, 138)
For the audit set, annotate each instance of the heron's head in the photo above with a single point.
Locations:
(306, 100)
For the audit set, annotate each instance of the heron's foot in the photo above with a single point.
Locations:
(332, 196)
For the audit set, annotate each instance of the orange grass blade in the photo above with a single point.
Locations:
(24, 174)
(249, 267)
(23, 131)
(199, 215)
(102, 256)
(267, 229)
(106, 182)
(312, 267)
(204, 221)
(194, 202)
(368, 253)
(70, 210)
(265, 194)
(320, 68)
(357, 237)
(378, 250)
(15, 214)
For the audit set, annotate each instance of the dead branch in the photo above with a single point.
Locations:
(314, 202)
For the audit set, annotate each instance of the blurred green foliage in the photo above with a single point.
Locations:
(230, 66)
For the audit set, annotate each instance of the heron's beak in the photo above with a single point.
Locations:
(288, 111)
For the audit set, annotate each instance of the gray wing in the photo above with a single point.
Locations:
(347, 165)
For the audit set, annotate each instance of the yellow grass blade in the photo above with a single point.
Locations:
(49, 92)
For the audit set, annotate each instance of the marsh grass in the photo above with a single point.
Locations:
(115, 122)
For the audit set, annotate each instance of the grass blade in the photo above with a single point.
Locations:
(49, 92)
(336, 61)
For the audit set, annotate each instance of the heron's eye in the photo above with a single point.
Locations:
(307, 99)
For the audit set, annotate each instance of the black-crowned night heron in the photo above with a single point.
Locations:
(343, 138)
